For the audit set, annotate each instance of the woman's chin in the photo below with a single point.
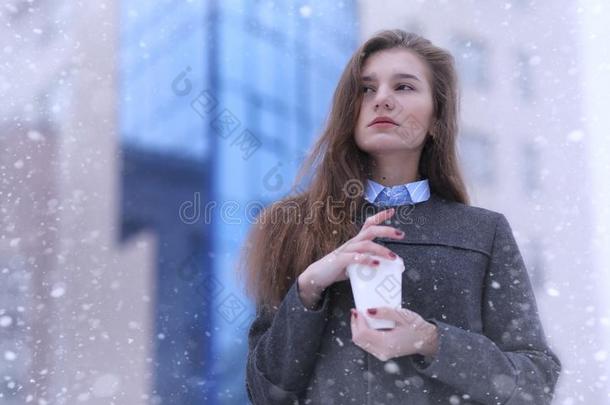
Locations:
(393, 144)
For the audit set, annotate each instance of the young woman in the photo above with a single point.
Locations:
(468, 330)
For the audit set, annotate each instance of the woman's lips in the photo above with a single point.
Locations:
(384, 124)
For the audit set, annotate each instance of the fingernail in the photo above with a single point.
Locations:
(354, 313)
(393, 255)
(375, 262)
(372, 311)
(400, 233)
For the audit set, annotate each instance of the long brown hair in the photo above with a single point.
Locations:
(296, 231)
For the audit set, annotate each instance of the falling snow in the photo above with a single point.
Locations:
(95, 302)
(9, 355)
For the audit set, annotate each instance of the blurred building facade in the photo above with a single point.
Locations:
(595, 57)
(524, 153)
(125, 151)
(164, 165)
(74, 302)
(219, 102)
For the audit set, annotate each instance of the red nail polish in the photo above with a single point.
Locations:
(393, 255)
(372, 311)
(375, 262)
(400, 233)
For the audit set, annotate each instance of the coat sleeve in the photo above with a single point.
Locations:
(282, 349)
(511, 362)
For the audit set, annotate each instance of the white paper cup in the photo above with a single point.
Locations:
(379, 286)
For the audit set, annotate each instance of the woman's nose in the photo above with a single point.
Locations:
(386, 104)
(386, 101)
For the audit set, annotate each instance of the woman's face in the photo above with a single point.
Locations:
(397, 91)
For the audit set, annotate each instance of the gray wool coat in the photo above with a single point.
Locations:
(464, 273)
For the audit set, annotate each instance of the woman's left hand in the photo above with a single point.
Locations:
(412, 334)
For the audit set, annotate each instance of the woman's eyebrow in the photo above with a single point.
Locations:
(373, 77)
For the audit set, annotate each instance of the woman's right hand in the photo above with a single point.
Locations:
(332, 267)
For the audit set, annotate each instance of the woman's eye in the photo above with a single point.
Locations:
(367, 89)
(405, 86)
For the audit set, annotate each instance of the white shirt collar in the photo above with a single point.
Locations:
(416, 191)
